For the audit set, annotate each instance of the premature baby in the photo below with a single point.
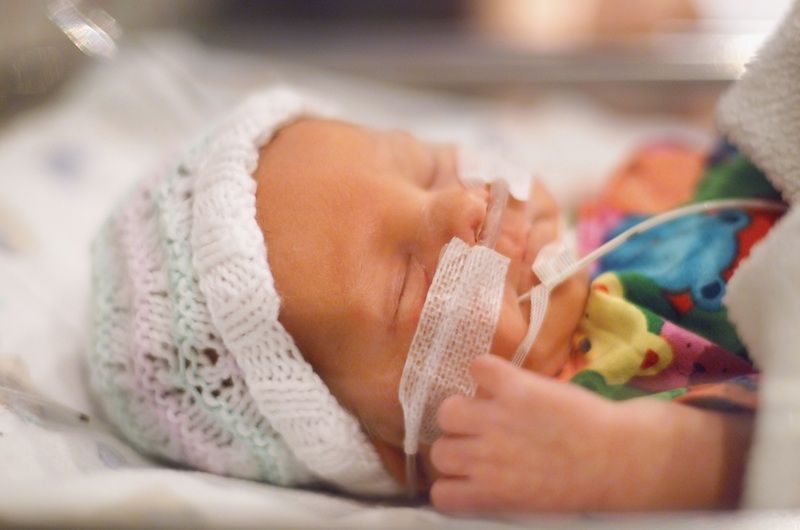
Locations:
(254, 305)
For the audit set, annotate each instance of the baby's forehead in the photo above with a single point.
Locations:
(326, 130)
(339, 149)
(340, 131)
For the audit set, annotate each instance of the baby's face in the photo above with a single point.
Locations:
(355, 220)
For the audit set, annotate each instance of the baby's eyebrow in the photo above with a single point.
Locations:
(404, 153)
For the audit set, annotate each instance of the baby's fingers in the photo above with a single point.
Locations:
(462, 416)
(454, 456)
(498, 378)
(461, 495)
(491, 374)
(503, 381)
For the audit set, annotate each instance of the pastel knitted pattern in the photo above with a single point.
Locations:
(188, 357)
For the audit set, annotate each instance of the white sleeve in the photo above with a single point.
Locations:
(760, 114)
(763, 302)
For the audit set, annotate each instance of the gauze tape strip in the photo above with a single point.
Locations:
(553, 264)
(457, 324)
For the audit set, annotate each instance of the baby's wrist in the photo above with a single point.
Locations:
(680, 458)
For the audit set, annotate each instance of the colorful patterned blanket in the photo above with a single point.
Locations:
(655, 322)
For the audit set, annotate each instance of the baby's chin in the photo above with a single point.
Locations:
(553, 344)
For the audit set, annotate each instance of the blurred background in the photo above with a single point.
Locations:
(668, 56)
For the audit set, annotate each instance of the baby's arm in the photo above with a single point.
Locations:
(529, 443)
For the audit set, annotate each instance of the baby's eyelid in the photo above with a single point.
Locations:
(403, 285)
(429, 181)
(434, 170)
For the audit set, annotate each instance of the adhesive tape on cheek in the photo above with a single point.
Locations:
(484, 166)
(458, 323)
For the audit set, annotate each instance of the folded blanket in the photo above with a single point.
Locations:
(761, 115)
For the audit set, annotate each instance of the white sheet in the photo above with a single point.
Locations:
(60, 170)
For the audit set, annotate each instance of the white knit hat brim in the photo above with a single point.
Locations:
(230, 260)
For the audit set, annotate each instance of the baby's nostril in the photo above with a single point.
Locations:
(476, 234)
(496, 201)
(477, 208)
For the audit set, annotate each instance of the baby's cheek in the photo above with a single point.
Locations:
(383, 419)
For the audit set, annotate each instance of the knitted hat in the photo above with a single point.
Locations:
(188, 357)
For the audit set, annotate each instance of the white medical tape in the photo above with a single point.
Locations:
(457, 324)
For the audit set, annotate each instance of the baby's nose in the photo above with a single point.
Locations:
(456, 213)
(480, 193)
(475, 205)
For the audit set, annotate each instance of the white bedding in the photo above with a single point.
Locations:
(61, 168)
(761, 114)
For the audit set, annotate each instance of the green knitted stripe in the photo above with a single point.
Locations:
(183, 289)
(106, 302)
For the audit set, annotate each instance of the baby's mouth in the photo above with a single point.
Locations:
(532, 237)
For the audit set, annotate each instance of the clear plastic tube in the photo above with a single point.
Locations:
(498, 198)
(647, 224)
(411, 475)
(51, 409)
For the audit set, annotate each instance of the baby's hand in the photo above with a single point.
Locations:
(528, 444)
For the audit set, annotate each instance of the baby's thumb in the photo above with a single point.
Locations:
(492, 374)
(497, 378)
